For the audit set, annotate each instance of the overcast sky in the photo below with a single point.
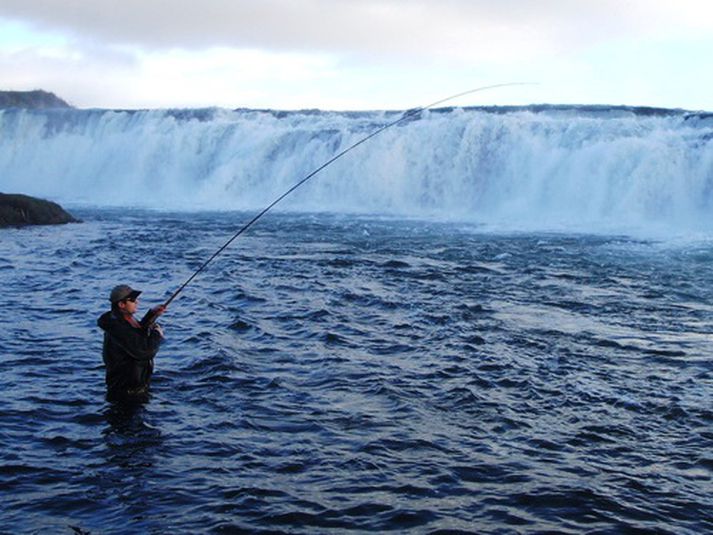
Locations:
(358, 54)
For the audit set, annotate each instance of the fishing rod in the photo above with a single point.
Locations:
(404, 116)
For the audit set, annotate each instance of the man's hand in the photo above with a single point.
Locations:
(156, 327)
(152, 315)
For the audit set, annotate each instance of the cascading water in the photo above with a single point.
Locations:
(588, 168)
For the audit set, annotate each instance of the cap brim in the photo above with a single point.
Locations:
(133, 294)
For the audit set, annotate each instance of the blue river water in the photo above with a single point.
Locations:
(339, 374)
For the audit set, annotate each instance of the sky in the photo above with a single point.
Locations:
(358, 54)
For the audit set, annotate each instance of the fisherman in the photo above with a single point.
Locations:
(129, 345)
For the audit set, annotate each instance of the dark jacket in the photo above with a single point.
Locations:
(128, 353)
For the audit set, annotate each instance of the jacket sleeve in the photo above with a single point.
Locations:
(140, 344)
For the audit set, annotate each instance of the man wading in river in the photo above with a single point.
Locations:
(129, 345)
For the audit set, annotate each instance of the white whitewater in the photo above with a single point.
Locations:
(582, 168)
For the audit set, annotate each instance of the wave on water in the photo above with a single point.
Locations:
(335, 374)
(588, 168)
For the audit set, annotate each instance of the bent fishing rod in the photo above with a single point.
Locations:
(246, 226)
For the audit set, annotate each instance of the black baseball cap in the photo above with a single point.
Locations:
(121, 292)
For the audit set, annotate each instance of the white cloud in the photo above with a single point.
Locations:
(413, 28)
(350, 53)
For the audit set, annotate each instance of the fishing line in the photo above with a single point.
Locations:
(376, 132)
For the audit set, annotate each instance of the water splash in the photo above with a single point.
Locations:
(589, 168)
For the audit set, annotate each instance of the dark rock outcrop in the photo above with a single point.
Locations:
(22, 210)
(38, 100)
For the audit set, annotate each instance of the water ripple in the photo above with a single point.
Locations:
(414, 378)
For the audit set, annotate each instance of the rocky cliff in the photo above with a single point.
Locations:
(21, 210)
(37, 99)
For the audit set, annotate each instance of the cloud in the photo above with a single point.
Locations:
(451, 30)
(354, 54)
